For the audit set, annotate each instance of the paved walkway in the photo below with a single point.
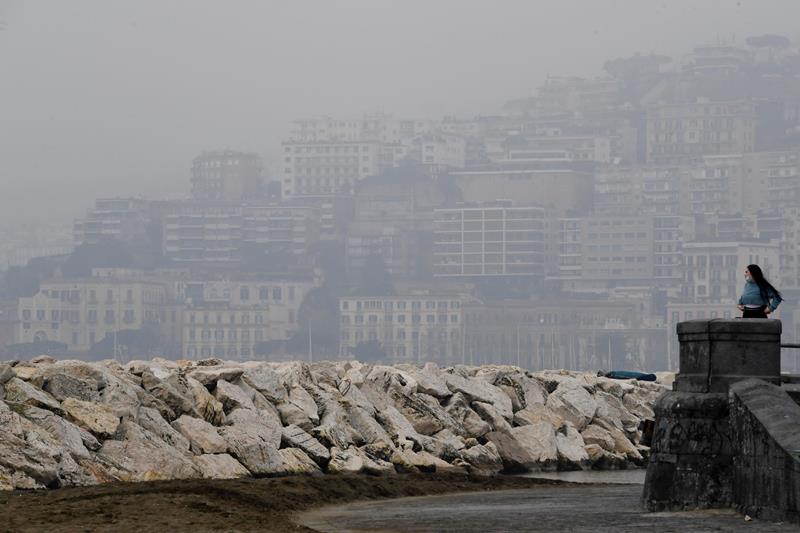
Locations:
(577, 508)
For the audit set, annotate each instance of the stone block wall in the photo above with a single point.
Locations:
(765, 427)
(691, 461)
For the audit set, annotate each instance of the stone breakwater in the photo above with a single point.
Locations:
(71, 423)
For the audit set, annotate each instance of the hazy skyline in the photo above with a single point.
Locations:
(106, 98)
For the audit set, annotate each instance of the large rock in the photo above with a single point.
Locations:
(422, 461)
(347, 461)
(202, 436)
(205, 404)
(516, 458)
(146, 457)
(481, 391)
(573, 404)
(301, 399)
(23, 392)
(232, 396)
(522, 390)
(473, 425)
(6, 373)
(571, 452)
(97, 418)
(62, 386)
(253, 439)
(266, 381)
(151, 420)
(70, 436)
(264, 423)
(488, 413)
(295, 437)
(539, 440)
(536, 413)
(482, 459)
(210, 375)
(429, 379)
(174, 393)
(334, 428)
(23, 466)
(294, 461)
(220, 466)
(425, 413)
(622, 445)
(594, 434)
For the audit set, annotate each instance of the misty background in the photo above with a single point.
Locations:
(106, 98)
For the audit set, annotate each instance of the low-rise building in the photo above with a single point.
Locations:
(419, 325)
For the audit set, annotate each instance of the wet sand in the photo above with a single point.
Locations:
(213, 505)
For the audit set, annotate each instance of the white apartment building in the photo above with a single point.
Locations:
(324, 167)
(490, 240)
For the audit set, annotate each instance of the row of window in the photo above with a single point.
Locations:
(388, 305)
(416, 318)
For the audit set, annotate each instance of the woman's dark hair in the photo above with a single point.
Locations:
(764, 286)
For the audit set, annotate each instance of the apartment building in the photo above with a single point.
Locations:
(597, 252)
(557, 187)
(123, 219)
(417, 325)
(333, 167)
(230, 318)
(222, 234)
(490, 240)
(681, 132)
(226, 175)
(714, 271)
(280, 228)
(82, 312)
(195, 233)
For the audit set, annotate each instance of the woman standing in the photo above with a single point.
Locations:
(759, 297)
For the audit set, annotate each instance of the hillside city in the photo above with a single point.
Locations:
(572, 230)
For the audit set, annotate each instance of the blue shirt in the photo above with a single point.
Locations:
(752, 296)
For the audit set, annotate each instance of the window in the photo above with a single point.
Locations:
(263, 293)
(244, 293)
(276, 293)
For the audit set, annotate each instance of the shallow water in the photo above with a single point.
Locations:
(635, 476)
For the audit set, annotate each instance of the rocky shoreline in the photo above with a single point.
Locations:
(72, 423)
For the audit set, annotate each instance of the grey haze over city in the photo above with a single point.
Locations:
(102, 98)
(553, 185)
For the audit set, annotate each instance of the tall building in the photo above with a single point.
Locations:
(681, 132)
(226, 176)
(598, 252)
(493, 239)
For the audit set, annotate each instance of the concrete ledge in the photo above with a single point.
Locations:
(716, 353)
(765, 427)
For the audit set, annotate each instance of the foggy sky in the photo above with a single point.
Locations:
(107, 98)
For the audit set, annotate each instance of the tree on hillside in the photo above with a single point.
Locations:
(632, 68)
(769, 40)
(375, 278)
